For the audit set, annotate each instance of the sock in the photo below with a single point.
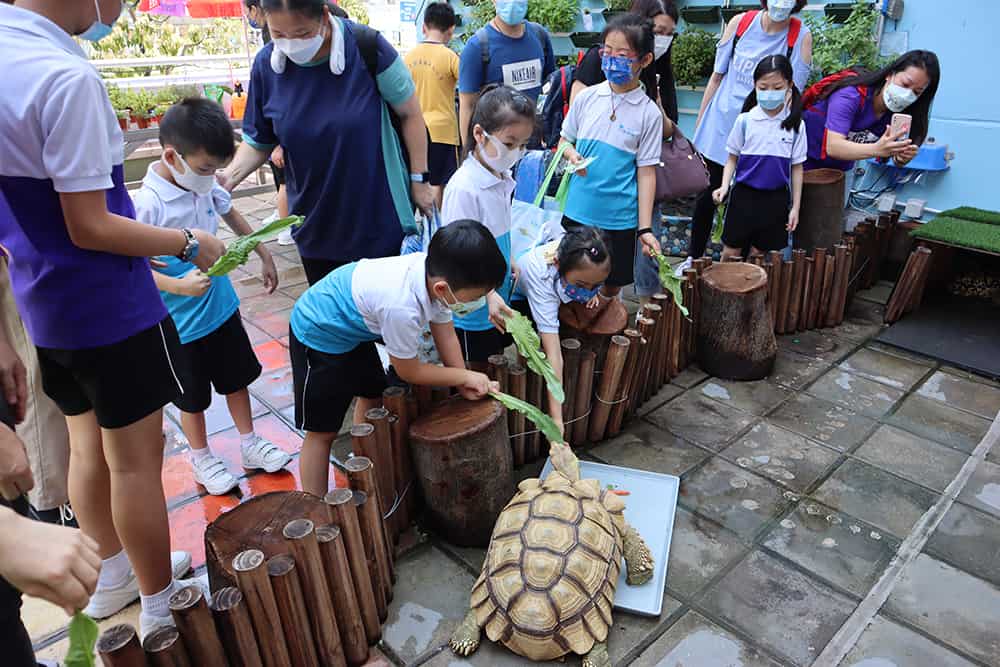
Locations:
(157, 604)
(114, 571)
(248, 438)
(199, 454)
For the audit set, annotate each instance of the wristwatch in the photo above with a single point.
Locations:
(647, 230)
(423, 177)
(190, 248)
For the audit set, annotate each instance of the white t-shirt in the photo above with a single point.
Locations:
(538, 281)
(162, 204)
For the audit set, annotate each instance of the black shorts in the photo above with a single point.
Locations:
(756, 219)
(442, 161)
(278, 173)
(621, 246)
(317, 269)
(223, 359)
(479, 346)
(122, 382)
(326, 383)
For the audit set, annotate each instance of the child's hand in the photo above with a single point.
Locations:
(499, 311)
(195, 283)
(594, 302)
(719, 195)
(476, 386)
(268, 272)
(793, 220)
(574, 158)
(650, 245)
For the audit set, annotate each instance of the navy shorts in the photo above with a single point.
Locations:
(442, 161)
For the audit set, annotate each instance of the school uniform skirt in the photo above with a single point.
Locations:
(756, 218)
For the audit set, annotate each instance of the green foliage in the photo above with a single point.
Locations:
(720, 223)
(481, 14)
(541, 420)
(618, 5)
(556, 15)
(356, 10)
(528, 344)
(83, 633)
(238, 252)
(836, 47)
(671, 283)
(693, 56)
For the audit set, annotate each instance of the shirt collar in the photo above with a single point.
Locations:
(483, 177)
(35, 24)
(757, 113)
(634, 96)
(164, 189)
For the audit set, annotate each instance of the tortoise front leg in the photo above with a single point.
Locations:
(638, 558)
(598, 656)
(465, 639)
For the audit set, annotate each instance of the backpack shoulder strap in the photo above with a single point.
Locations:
(794, 30)
(539, 32)
(483, 37)
(367, 39)
(745, 22)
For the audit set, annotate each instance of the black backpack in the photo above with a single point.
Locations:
(555, 101)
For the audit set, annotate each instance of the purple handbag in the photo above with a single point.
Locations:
(682, 171)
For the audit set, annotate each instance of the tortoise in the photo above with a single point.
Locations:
(548, 581)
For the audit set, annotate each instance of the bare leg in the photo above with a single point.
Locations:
(135, 459)
(281, 202)
(363, 405)
(90, 483)
(193, 425)
(314, 463)
(728, 251)
(239, 408)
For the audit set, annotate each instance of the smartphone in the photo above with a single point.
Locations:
(901, 122)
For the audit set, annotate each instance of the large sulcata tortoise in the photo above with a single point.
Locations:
(548, 581)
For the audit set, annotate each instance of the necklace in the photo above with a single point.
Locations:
(614, 107)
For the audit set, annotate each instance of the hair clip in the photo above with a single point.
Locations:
(592, 250)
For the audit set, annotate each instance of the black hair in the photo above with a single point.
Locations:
(198, 124)
(579, 243)
(875, 81)
(650, 9)
(439, 16)
(799, 5)
(783, 66)
(310, 8)
(498, 107)
(465, 254)
(638, 32)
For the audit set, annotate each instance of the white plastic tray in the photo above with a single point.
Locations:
(650, 507)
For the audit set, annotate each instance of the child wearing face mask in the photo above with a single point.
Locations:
(568, 269)
(616, 123)
(482, 189)
(335, 324)
(181, 191)
(767, 148)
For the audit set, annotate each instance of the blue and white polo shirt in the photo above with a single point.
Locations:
(766, 150)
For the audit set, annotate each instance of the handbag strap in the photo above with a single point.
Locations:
(549, 172)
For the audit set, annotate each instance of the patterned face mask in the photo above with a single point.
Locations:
(579, 294)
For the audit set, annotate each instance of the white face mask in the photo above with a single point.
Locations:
(300, 51)
(506, 157)
(780, 10)
(463, 308)
(661, 44)
(897, 98)
(189, 180)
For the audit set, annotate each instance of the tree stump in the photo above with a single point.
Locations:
(463, 463)
(821, 223)
(735, 330)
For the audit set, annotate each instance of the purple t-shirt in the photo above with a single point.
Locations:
(846, 113)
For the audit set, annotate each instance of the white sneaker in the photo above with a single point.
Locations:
(148, 622)
(682, 267)
(285, 237)
(109, 601)
(211, 472)
(263, 454)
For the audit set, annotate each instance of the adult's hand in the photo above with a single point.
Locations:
(889, 144)
(14, 379)
(423, 197)
(210, 249)
(650, 245)
(278, 157)
(904, 156)
(15, 473)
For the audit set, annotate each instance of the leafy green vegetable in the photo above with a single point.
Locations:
(239, 250)
(720, 217)
(83, 633)
(544, 423)
(528, 344)
(671, 283)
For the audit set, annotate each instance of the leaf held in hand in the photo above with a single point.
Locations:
(239, 250)
(83, 633)
(720, 217)
(545, 424)
(671, 283)
(529, 345)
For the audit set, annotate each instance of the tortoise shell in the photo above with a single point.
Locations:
(548, 581)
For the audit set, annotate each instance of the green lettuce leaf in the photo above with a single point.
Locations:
(671, 283)
(529, 345)
(238, 252)
(542, 421)
(83, 633)
(720, 217)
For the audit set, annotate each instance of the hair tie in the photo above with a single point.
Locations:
(592, 250)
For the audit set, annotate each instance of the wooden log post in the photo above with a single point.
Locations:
(608, 386)
(821, 220)
(517, 424)
(412, 405)
(691, 322)
(255, 584)
(379, 584)
(785, 296)
(119, 646)
(646, 329)
(383, 464)
(197, 627)
(625, 387)
(425, 398)
(345, 601)
(363, 440)
(232, 618)
(361, 476)
(819, 273)
(165, 648)
(908, 284)
(292, 610)
(571, 374)
(826, 296)
(659, 350)
(736, 337)
(842, 279)
(676, 325)
(584, 398)
(300, 535)
(840, 266)
(498, 371)
(920, 286)
(798, 284)
(663, 333)
(774, 285)
(807, 294)
(884, 230)
(340, 506)
(394, 400)
(538, 397)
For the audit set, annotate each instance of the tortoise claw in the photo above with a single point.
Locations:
(465, 639)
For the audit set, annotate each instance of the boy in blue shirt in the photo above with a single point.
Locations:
(180, 191)
(335, 324)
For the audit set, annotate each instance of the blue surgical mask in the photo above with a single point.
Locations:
(577, 293)
(617, 69)
(769, 100)
(463, 308)
(98, 30)
(780, 10)
(512, 12)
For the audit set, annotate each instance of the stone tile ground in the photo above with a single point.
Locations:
(796, 492)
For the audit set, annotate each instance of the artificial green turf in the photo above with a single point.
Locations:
(973, 214)
(965, 233)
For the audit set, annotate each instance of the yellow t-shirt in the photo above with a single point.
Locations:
(435, 72)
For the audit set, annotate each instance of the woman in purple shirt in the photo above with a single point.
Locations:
(850, 120)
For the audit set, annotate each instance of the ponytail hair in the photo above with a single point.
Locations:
(783, 66)
(578, 244)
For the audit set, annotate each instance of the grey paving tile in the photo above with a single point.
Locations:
(878, 293)
(830, 424)
(888, 644)
(757, 398)
(649, 447)
(487, 655)
(958, 609)
(740, 501)
(699, 549)
(936, 421)
(274, 388)
(866, 312)
(969, 539)
(975, 397)
(902, 354)
(884, 368)
(856, 393)
(917, 459)
(858, 328)
(786, 458)
(968, 375)
(833, 545)
(471, 557)
(694, 641)
(796, 370)
(887, 502)
(983, 489)
(817, 344)
(666, 393)
(264, 305)
(786, 611)
(689, 377)
(701, 420)
(424, 613)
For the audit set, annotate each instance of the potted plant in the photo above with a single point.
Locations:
(615, 7)
(838, 46)
(708, 14)
(123, 118)
(559, 16)
(693, 56)
(735, 10)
